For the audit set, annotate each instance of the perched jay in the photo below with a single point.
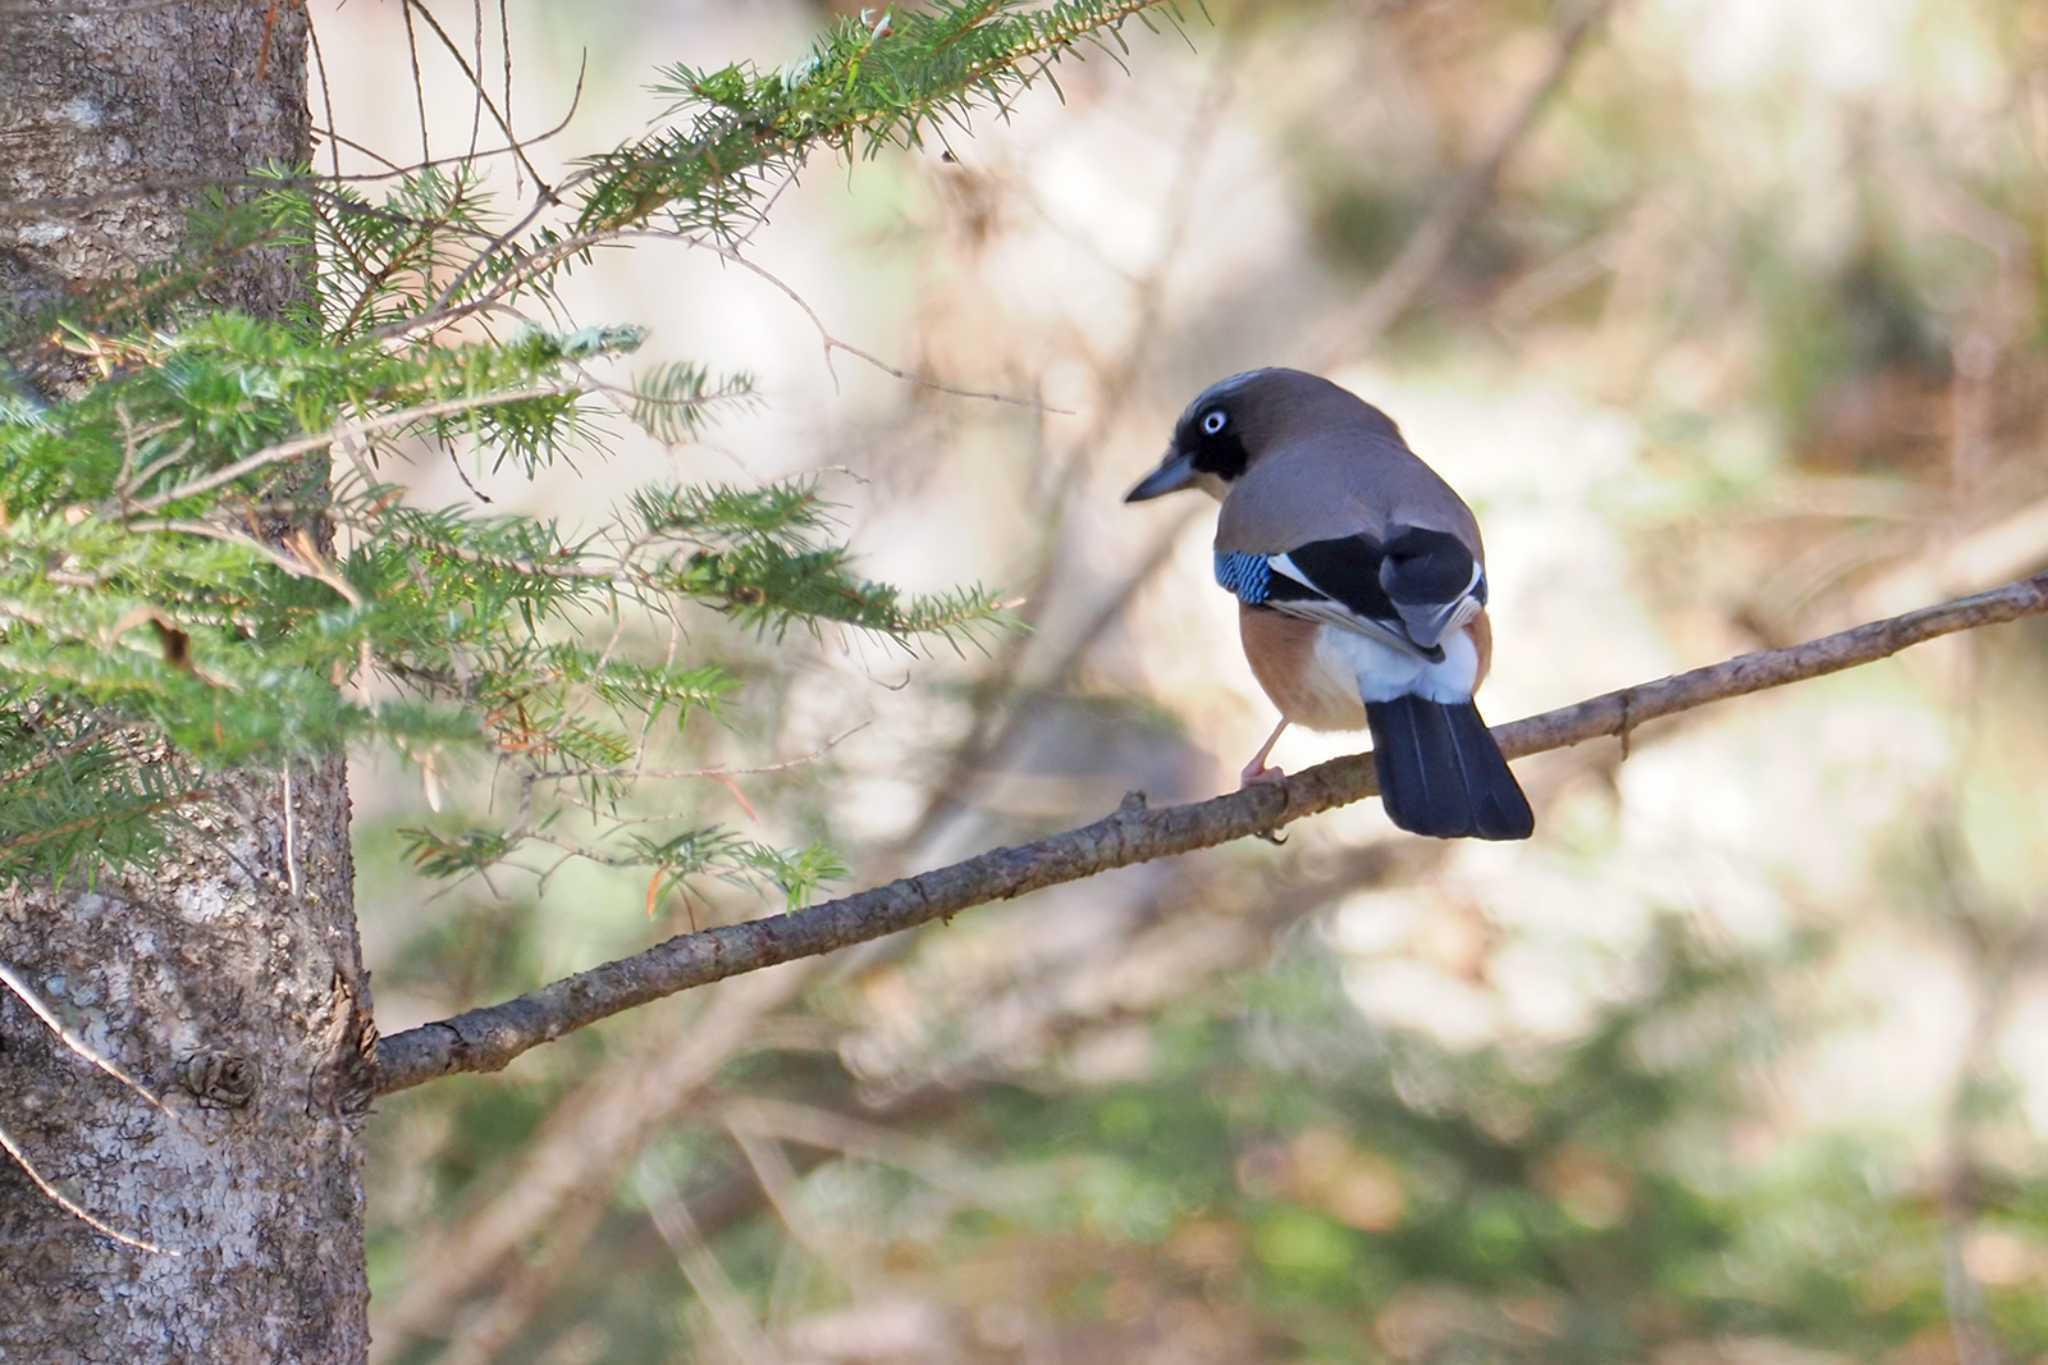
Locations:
(1361, 589)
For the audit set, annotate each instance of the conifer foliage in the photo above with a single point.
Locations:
(202, 554)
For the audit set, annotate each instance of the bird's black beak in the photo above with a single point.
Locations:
(1176, 472)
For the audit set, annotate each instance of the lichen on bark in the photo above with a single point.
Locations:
(212, 966)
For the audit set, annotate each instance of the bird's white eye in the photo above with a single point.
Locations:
(1213, 420)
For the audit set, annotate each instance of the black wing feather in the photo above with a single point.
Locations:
(1432, 580)
(1347, 570)
(1425, 568)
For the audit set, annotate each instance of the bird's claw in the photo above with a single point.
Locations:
(1256, 774)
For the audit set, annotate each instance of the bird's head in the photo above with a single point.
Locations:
(1235, 421)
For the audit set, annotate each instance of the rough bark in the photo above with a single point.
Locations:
(238, 1001)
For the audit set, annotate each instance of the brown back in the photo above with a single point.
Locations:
(1325, 463)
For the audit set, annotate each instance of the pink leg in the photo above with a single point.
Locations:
(1256, 770)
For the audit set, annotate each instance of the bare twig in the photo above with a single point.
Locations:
(14, 982)
(326, 91)
(395, 169)
(487, 1039)
(777, 1177)
(605, 1123)
(70, 1206)
(813, 1126)
(505, 46)
(476, 112)
(1430, 245)
(832, 343)
(720, 1296)
(291, 850)
(1997, 949)
(484, 1337)
(419, 87)
(683, 774)
(476, 81)
(445, 311)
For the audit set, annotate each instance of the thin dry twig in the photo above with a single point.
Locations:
(765, 1116)
(70, 1206)
(394, 169)
(832, 343)
(505, 46)
(476, 81)
(489, 1038)
(444, 311)
(1996, 957)
(476, 111)
(419, 86)
(1430, 245)
(598, 1130)
(14, 982)
(326, 90)
(683, 774)
(720, 1296)
(778, 1179)
(485, 1336)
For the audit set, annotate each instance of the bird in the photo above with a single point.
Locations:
(1361, 586)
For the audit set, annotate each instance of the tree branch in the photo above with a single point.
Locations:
(489, 1038)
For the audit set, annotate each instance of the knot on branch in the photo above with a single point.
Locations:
(220, 1080)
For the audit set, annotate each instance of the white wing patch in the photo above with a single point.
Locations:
(1282, 564)
(1330, 612)
(1336, 614)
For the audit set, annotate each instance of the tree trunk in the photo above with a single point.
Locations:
(238, 1000)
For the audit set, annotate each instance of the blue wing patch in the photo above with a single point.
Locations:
(1248, 575)
(1337, 582)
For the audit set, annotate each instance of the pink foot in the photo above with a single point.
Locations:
(1253, 774)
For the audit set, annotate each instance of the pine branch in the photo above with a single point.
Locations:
(487, 1039)
(163, 567)
(283, 451)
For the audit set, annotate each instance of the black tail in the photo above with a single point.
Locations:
(1442, 775)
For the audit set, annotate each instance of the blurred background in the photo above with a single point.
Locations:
(1724, 314)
